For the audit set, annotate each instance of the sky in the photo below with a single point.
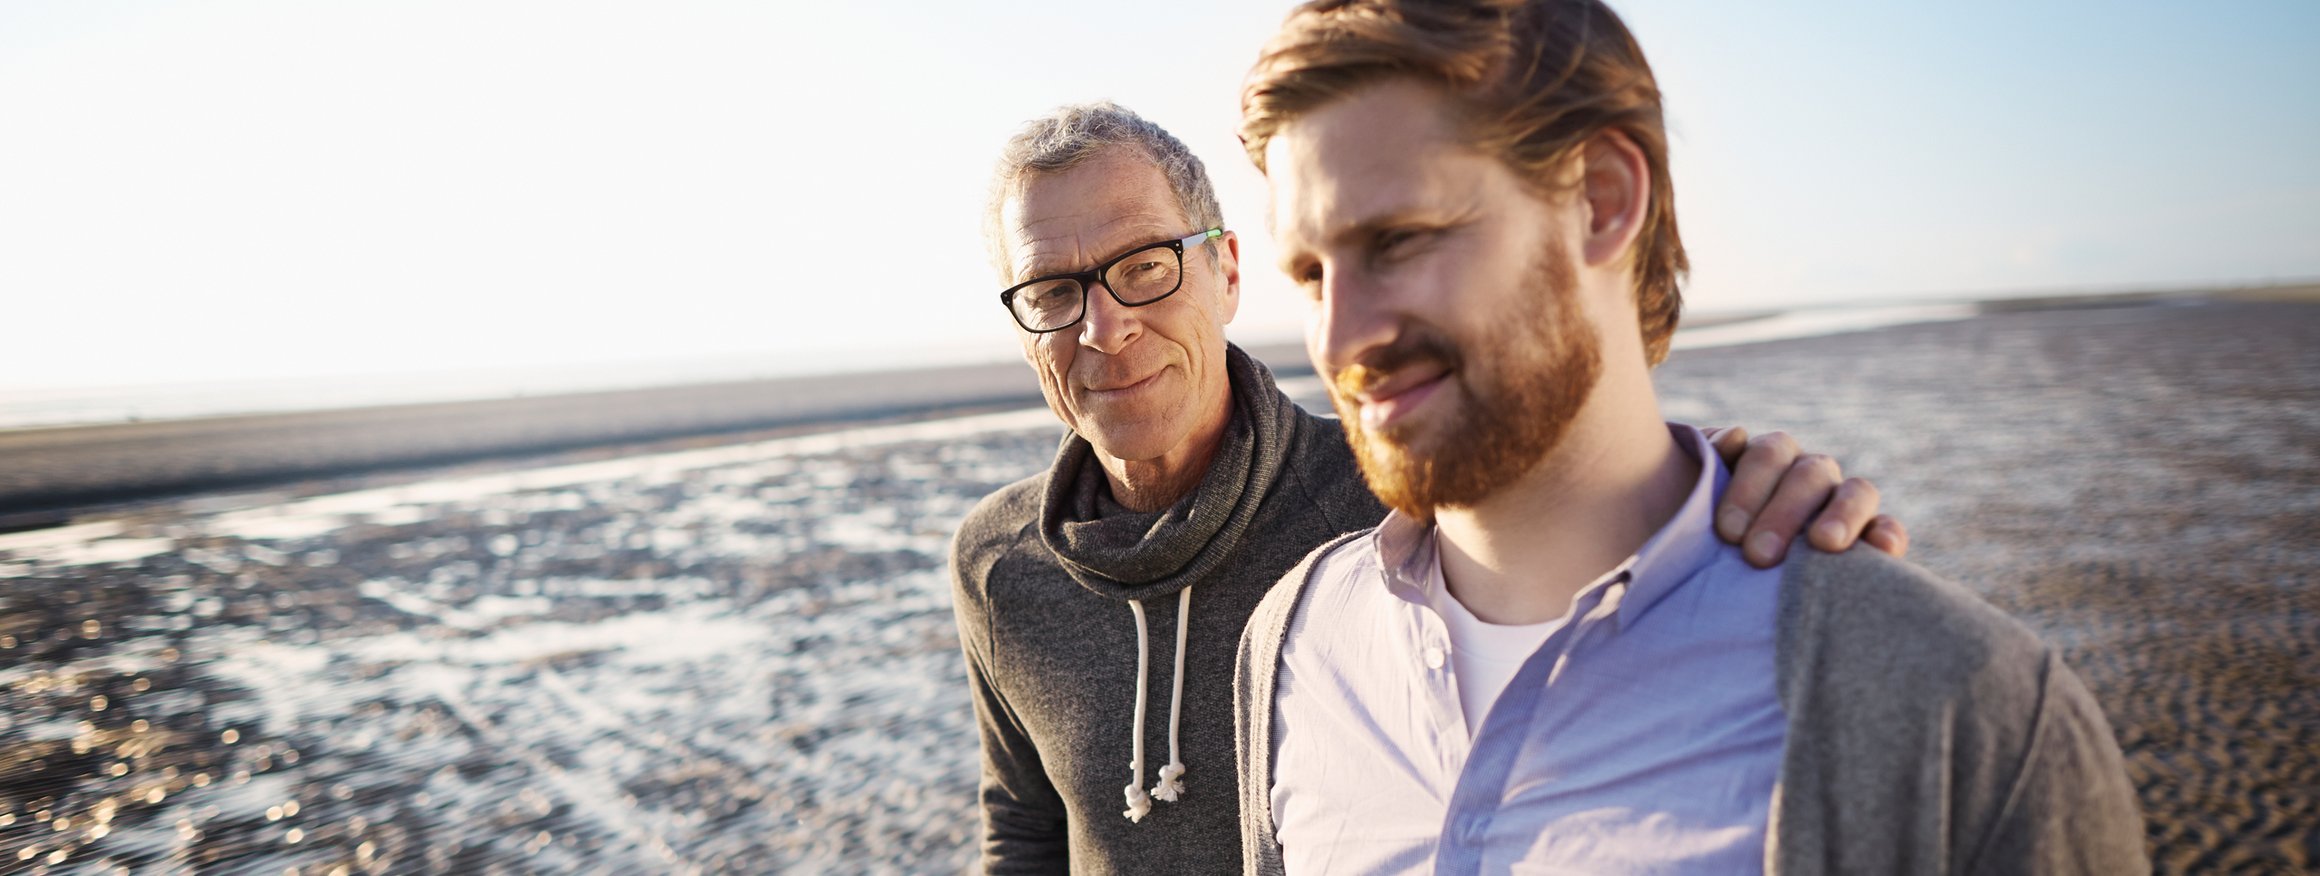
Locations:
(252, 189)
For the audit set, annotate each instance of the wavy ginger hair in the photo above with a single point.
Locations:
(1530, 82)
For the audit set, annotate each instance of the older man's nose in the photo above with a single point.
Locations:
(1108, 326)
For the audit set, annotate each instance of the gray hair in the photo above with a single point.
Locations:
(1069, 135)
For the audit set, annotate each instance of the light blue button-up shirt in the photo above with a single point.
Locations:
(1644, 736)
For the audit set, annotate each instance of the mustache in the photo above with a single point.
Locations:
(1416, 344)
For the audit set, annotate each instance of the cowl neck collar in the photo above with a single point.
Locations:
(1129, 555)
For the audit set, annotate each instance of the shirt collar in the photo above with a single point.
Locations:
(1406, 549)
(1687, 542)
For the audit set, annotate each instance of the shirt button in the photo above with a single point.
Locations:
(1433, 657)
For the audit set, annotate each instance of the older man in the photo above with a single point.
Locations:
(1187, 485)
(1543, 660)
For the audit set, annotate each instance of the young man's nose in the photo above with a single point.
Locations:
(1352, 318)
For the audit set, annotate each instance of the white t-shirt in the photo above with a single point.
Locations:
(1485, 656)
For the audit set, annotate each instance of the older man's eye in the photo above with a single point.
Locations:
(1048, 296)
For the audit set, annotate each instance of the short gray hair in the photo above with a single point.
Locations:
(1069, 135)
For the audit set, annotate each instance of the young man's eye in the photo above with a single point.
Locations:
(1399, 243)
(1309, 282)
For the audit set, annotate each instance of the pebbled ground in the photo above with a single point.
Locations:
(739, 658)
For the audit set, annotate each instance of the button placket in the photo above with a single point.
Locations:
(1441, 691)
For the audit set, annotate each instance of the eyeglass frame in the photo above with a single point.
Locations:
(1089, 278)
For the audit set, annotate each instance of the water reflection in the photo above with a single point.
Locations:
(737, 659)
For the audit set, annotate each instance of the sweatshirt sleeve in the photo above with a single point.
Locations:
(2071, 809)
(1023, 816)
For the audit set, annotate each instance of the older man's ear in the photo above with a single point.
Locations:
(1229, 251)
(1777, 490)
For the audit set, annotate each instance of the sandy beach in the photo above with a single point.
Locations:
(2139, 484)
(735, 653)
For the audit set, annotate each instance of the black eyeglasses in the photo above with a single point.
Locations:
(1140, 276)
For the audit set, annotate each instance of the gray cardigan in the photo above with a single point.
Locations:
(1928, 733)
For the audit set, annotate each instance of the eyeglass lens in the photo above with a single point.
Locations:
(1143, 277)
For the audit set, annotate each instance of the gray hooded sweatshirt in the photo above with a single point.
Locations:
(1070, 614)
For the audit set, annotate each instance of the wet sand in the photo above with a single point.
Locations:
(739, 657)
(2141, 485)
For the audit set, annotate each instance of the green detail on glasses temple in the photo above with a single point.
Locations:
(1140, 276)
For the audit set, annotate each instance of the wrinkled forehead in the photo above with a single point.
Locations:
(1071, 219)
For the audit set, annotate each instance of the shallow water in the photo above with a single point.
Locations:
(733, 659)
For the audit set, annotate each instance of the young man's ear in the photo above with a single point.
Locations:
(1616, 187)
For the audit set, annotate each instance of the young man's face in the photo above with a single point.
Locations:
(1446, 311)
(1134, 381)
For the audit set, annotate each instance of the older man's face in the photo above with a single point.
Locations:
(1134, 381)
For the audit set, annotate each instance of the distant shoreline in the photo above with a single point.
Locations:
(48, 474)
(51, 472)
(36, 406)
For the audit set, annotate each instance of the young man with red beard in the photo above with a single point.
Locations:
(1187, 485)
(1543, 660)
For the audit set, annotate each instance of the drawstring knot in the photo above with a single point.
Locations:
(1171, 782)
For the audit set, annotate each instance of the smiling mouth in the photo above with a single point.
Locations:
(1389, 402)
(1128, 387)
(1399, 385)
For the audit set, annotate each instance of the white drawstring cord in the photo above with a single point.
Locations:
(1139, 803)
(1172, 775)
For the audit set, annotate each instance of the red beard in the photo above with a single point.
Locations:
(1513, 407)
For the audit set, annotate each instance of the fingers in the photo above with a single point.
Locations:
(1888, 535)
(1754, 475)
(1728, 442)
(1847, 517)
(1808, 485)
